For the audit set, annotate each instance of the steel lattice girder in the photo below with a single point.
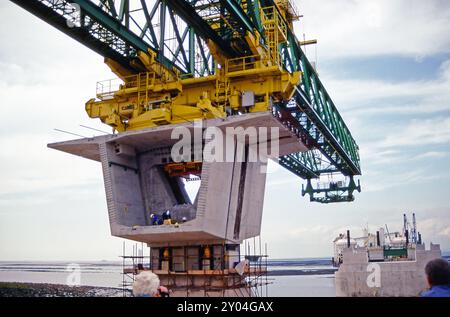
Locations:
(238, 13)
(106, 29)
(323, 120)
(312, 99)
(237, 20)
(58, 13)
(189, 48)
(332, 136)
(303, 164)
(115, 26)
(187, 12)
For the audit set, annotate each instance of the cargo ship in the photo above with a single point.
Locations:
(382, 264)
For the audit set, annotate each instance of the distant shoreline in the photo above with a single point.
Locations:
(301, 272)
(102, 279)
(55, 290)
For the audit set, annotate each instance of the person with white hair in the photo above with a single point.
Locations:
(146, 284)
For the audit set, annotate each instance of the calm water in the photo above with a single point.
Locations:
(108, 274)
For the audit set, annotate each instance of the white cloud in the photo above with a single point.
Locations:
(419, 133)
(382, 182)
(445, 69)
(355, 28)
(396, 156)
(33, 167)
(431, 154)
(307, 232)
(436, 230)
(367, 97)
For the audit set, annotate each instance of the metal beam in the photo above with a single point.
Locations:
(239, 14)
(300, 164)
(187, 12)
(116, 52)
(119, 30)
(313, 99)
(98, 31)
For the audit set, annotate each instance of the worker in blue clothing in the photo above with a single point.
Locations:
(156, 220)
(438, 276)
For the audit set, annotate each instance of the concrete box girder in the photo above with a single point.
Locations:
(229, 204)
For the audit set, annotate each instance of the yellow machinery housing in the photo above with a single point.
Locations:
(160, 96)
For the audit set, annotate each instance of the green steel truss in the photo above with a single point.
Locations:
(177, 31)
(119, 29)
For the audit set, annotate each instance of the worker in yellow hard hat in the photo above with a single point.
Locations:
(167, 218)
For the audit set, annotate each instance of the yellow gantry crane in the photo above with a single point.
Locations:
(247, 64)
(185, 60)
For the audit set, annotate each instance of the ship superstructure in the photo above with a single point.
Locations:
(383, 263)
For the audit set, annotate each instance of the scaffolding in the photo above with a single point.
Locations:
(214, 271)
(131, 266)
(259, 283)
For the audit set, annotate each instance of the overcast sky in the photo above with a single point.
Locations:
(386, 64)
